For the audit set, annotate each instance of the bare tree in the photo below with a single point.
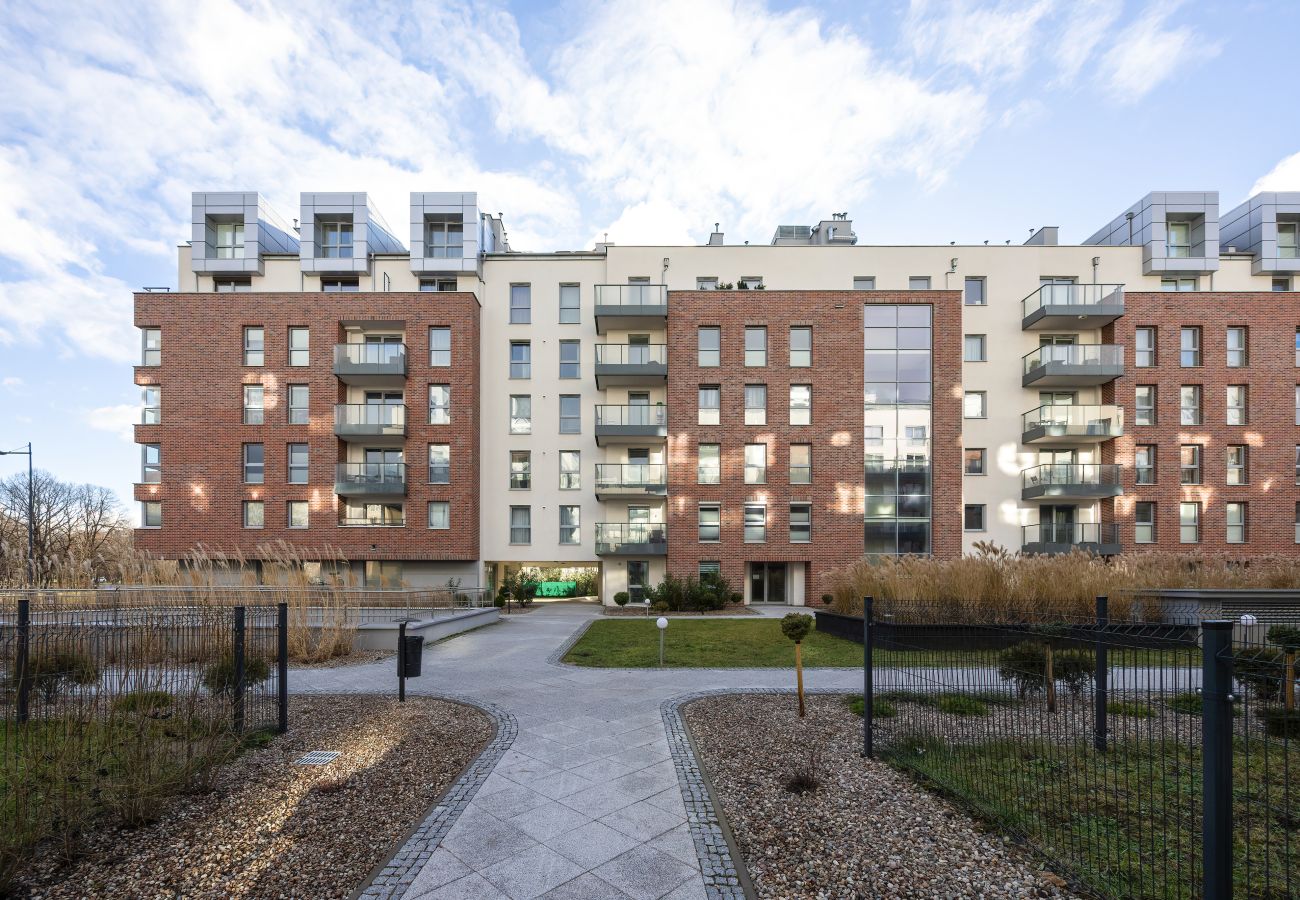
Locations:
(80, 535)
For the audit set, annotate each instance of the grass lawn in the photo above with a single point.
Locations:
(704, 643)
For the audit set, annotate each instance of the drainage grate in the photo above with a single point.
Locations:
(317, 758)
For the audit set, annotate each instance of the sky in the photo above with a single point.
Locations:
(928, 122)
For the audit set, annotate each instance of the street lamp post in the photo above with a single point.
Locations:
(31, 513)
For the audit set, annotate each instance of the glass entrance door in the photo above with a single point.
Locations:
(637, 572)
(767, 582)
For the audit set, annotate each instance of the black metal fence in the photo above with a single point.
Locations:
(108, 708)
(1144, 759)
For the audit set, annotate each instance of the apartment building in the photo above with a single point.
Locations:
(764, 412)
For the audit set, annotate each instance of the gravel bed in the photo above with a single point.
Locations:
(270, 828)
(867, 831)
(355, 658)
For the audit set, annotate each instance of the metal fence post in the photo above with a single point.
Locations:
(282, 657)
(237, 690)
(1216, 759)
(868, 687)
(401, 662)
(22, 656)
(1101, 676)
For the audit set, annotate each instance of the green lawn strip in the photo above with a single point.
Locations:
(697, 643)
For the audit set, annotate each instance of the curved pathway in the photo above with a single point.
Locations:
(581, 794)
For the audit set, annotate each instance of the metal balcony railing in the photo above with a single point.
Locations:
(631, 354)
(646, 477)
(1070, 534)
(1070, 475)
(1095, 421)
(631, 295)
(1073, 295)
(377, 416)
(1095, 355)
(608, 415)
(370, 354)
(649, 538)
(371, 477)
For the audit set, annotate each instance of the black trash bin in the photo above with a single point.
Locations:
(413, 652)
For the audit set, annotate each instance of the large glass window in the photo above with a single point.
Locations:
(800, 523)
(298, 468)
(335, 239)
(1190, 464)
(570, 304)
(1144, 522)
(801, 463)
(1144, 405)
(570, 414)
(254, 464)
(1288, 240)
(1144, 347)
(521, 524)
(444, 237)
(710, 522)
(521, 414)
(521, 470)
(710, 405)
(1235, 514)
(254, 514)
(755, 346)
(1189, 355)
(1237, 459)
(570, 359)
(521, 359)
(1237, 347)
(801, 404)
(1179, 239)
(709, 345)
(254, 345)
(755, 463)
(800, 346)
(521, 304)
(709, 464)
(299, 346)
(1144, 463)
(755, 404)
(1189, 404)
(439, 463)
(570, 530)
(439, 404)
(230, 240)
(151, 346)
(1189, 523)
(439, 347)
(570, 470)
(254, 404)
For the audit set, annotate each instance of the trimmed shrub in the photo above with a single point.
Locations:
(660, 606)
(1025, 665)
(621, 598)
(1280, 723)
(1285, 636)
(827, 599)
(149, 702)
(796, 626)
(1189, 704)
(961, 705)
(219, 678)
(1132, 710)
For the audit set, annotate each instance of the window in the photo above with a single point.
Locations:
(750, 282)
(151, 400)
(708, 468)
(254, 464)
(569, 528)
(570, 304)
(375, 515)
(1297, 404)
(232, 285)
(710, 404)
(710, 569)
(1190, 464)
(439, 347)
(1189, 523)
(801, 463)
(151, 346)
(570, 414)
(756, 404)
(1235, 514)
(975, 349)
(570, 470)
(973, 517)
(800, 347)
(335, 239)
(151, 513)
(296, 513)
(1144, 463)
(1297, 346)
(706, 282)
(918, 283)
(436, 285)
(230, 240)
(1178, 243)
(521, 304)
(755, 346)
(521, 359)
(1189, 404)
(1190, 348)
(521, 414)
(254, 514)
(801, 404)
(439, 463)
(1237, 340)
(298, 468)
(973, 294)
(710, 523)
(339, 285)
(1288, 241)
(756, 464)
(1237, 459)
(1297, 463)
(298, 346)
(1238, 404)
(570, 359)
(254, 404)
(254, 345)
(439, 515)
(1144, 522)
(439, 404)
(521, 470)
(975, 405)
(521, 524)
(973, 458)
(864, 282)
(444, 237)
(298, 404)
(800, 523)
(709, 345)
(1144, 347)
(1145, 405)
(755, 523)
(151, 463)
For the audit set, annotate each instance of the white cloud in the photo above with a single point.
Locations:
(1087, 24)
(12, 382)
(1285, 176)
(120, 419)
(1146, 52)
(998, 39)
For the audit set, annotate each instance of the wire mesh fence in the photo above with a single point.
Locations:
(1147, 759)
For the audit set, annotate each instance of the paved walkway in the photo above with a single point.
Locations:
(585, 803)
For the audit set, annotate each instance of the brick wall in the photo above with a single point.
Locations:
(836, 492)
(1270, 432)
(201, 432)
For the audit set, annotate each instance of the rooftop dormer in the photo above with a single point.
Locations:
(1178, 232)
(1267, 226)
(339, 232)
(232, 231)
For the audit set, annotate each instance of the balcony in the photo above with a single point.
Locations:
(1072, 306)
(622, 306)
(631, 539)
(383, 423)
(1070, 481)
(370, 479)
(638, 481)
(1049, 425)
(370, 365)
(1048, 538)
(1072, 365)
(630, 424)
(631, 364)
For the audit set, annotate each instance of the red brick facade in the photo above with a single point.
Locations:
(202, 430)
(836, 432)
(1270, 433)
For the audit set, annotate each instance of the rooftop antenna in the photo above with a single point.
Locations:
(1007, 242)
(986, 243)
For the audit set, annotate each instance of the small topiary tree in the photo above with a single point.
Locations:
(621, 598)
(796, 626)
(827, 599)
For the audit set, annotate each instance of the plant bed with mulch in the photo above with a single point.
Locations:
(866, 830)
(699, 643)
(267, 827)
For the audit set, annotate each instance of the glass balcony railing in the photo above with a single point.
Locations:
(1100, 422)
(635, 538)
(1073, 534)
(1065, 475)
(649, 478)
(1091, 355)
(371, 477)
(370, 418)
(612, 416)
(631, 354)
(370, 359)
(1053, 297)
(631, 295)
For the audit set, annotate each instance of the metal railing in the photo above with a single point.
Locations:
(1099, 420)
(632, 416)
(612, 537)
(649, 477)
(1075, 355)
(1050, 295)
(377, 415)
(1051, 474)
(631, 354)
(371, 474)
(1070, 533)
(370, 354)
(631, 295)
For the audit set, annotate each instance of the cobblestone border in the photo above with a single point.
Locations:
(567, 645)
(401, 869)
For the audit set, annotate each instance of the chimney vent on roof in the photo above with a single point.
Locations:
(715, 239)
(1043, 237)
